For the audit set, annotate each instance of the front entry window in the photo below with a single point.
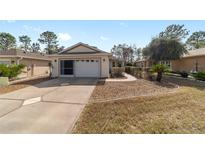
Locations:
(66, 67)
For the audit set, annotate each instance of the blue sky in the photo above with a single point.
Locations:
(103, 34)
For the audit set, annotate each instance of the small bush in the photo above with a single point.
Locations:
(184, 74)
(199, 76)
(129, 64)
(135, 71)
(117, 71)
(10, 71)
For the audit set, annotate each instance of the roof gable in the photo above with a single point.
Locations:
(81, 48)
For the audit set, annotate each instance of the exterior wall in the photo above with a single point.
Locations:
(7, 60)
(55, 66)
(189, 64)
(80, 49)
(105, 67)
(34, 67)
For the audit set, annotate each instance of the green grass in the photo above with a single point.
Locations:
(179, 112)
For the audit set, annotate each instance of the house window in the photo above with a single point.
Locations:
(92, 60)
(5, 62)
(87, 60)
(82, 60)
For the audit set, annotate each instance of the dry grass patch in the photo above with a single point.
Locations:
(179, 112)
(114, 90)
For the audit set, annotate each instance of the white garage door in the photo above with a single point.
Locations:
(87, 68)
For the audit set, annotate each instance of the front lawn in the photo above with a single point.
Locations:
(182, 111)
(115, 90)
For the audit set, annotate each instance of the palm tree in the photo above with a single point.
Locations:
(159, 69)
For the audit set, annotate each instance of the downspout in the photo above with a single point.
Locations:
(18, 60)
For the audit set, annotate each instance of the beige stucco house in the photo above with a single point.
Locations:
(81, 60)
(36, 64)
(194, 61)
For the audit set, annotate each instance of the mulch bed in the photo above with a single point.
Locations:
(115, 90)
(13, 87)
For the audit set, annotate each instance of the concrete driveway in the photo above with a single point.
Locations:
(49, 107)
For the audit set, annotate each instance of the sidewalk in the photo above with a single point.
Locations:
(128, 79)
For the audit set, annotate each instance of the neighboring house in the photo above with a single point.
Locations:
(81, 60)
(194, 61)
(143, 63)
(36, 64)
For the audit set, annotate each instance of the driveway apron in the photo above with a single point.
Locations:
(59, 103)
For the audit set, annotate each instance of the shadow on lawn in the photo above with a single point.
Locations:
(184, 82)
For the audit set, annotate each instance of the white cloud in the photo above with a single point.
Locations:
(104, 38)
(31, 28)
(64, 36)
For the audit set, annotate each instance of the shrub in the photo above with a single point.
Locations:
(117, 71)
(10, 71)
(135, 71)
(129, 64)
(128, 69)
(199, 76)
(184, 74)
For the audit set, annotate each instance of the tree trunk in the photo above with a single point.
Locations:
(159, 76)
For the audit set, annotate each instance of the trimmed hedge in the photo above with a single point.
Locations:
(199, 76)
(117, 72)
(135, 71)
(10, 71)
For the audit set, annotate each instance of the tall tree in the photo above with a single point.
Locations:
(196, 40)
(26, 42)
(164, 49)
(7, 41)
(61, 48)
(124, 52)
(174, 31)
(50, 40)
(138, 53)
(35, 47)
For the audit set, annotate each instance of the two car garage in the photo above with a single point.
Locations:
(80, 68)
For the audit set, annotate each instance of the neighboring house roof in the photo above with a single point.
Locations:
(195, 53)
(93, 49)
(20, 53)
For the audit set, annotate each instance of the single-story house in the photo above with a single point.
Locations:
(194, 61)
(36, 64)
(81, 60)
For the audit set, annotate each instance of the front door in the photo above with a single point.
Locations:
(66, 67)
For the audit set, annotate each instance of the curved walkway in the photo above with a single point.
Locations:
(128, 79)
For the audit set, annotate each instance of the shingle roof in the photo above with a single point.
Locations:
(194, 53)
(21, 53)
(83, 44)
